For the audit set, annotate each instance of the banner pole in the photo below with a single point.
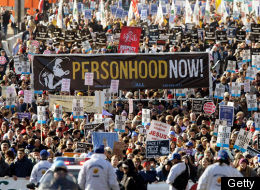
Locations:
(88, 91)
(41, 131)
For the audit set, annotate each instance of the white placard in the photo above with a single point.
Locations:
(219, 91)
(257, 121)
(89, 77)
(235, 89)
(26, 67)
(98, 118)
(243, 140)
(158, 131)
(250, 73)
(57, 109)
(114, 86)
(65, 86)
(120, 123)
(99, 98)
(18, 64)
(217, 123)
(251, 102)
(223, 136)
(77, 108)
(146, 116)
(41, 113)
(28, 96)
(231, 67)
(131, 105)
(247, 86)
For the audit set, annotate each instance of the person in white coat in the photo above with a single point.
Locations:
(97, 173)
(40, 168)
(211, 177)
(179, 174)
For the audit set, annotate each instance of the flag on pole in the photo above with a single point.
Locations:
(102, 14)
(218, 6)
(159, 16)
(172, 15)
(130, 14)
(224, 13)
(40, 5)
(207, 13)
(135, 8)
(75, 11)
(235, 10)
(59, 16)
(196, 14)
(188, 12)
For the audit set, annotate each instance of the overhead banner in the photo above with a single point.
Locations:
(129, 39)
(134, 71)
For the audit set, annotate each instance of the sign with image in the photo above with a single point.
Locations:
(41, 113)
(223, 136)
(226, 113)
(157, 148)
(120, 123)
(78, 108)
(243, 140)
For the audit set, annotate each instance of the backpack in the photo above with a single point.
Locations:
(181, 181)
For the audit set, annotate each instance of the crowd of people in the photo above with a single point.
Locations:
(193, 150)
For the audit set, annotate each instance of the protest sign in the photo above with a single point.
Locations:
(247, 86)
(41, 113)
(22, 115)
(65, 86)
(2, 60)
(131, 105)
(251, 101)
(223, 136)
(66, 103)
(243, 140)
(114, 86)
(235, 89)
(250, 73)
(219, 91)
(119, 13)
(98, 127)
(89, 77)
(98, 118)
(135, 71)
(26, 67)
(107, 96)
(120, 123)
(226, 113)
(82, 147)
(209, 108)
(180, 92)
(157, 148)
(146, 118)
(256, 61)
(78, 108)
(143, 14)
(246, 55)
(118, 149)
(57, 112)
(28, 96)
(99, 98)
(257, 121)
(197, 106)
(252, 152)
(10, 97)
(87, 14)
(240, 36)
(158, 131)
(231, 67)
(104, 138)
(18, 64)
(221, 36)
(129, 40)
(217, 123)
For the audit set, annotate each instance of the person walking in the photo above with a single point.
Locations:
(179, 173)
(211, 178)
(41, 167)
(97, 173)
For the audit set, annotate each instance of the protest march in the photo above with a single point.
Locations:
(129, 94)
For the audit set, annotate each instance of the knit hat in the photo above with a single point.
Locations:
(99, 149)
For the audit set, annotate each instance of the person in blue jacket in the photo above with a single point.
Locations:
(22, 166)
(148, 175)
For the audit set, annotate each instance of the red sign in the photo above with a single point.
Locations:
(129, 40)
(2, 60)
(209, 108)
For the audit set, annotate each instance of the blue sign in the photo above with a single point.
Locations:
(120, 4)
(153, 9)
(125, 13)
(88, 14)
(99, 138)
(119, 13)
(226, 113)
(38, 92)
(22, 115)
(113, 9)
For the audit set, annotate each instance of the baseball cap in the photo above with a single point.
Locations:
(189, 143)
(222, 155)
(44, 153)
(175, 156)
(100, 149)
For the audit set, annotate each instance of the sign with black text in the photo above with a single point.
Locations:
(157, 148)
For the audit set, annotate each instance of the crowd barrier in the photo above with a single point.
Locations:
(10, 184)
